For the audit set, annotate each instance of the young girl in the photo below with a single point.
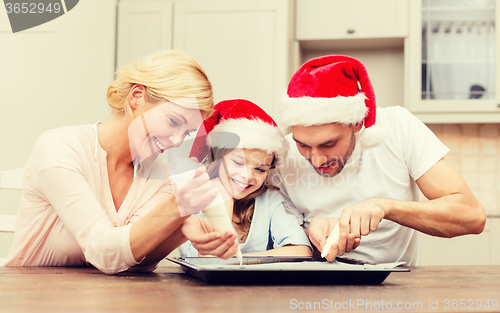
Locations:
(240, 169)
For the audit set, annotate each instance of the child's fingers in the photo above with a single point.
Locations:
(217, 247)
(230, 252)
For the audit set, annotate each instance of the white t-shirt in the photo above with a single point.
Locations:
(388, 170)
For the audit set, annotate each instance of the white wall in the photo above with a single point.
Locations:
(53, 75)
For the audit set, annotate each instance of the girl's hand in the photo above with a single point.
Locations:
(208, 242)
(193, 196)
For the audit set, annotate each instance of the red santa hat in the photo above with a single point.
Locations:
(254, 128)
(332, 89)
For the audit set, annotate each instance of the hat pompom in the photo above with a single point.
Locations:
(372, 136)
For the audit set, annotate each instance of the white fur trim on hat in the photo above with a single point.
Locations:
(255, 134)
(308, 111)
(372, 136)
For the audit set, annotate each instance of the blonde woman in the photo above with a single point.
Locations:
(98, 194)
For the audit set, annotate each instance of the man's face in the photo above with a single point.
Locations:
(327, 147)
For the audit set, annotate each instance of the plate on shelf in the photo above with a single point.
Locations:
(287, 270)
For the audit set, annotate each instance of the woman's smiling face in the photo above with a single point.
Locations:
(243, 171)
(159, 128)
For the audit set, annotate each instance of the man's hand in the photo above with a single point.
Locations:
(355, 221)
(320, 228)
(208, 242)
(362, 218)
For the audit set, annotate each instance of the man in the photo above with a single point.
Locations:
(354, 164)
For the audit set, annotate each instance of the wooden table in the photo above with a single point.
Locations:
(424, 289)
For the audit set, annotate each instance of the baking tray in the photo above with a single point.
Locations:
(286, 270)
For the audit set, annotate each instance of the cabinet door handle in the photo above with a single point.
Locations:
(351, 31)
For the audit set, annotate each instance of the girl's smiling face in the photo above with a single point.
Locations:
(243, 171)
(162, 127)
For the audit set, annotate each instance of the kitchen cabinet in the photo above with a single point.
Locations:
(339, 19)
(452, 61)
(373, 32)
(244, 46)
(144, 27)
(258, 44)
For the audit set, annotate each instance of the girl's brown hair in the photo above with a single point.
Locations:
(243, 208)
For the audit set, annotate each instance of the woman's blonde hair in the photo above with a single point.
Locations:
(167, 75)
(243, 208)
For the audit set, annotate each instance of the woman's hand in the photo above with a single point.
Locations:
(224, 193)
(208, 242)
(194, 195)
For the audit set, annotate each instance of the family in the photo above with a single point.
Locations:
(99, 195)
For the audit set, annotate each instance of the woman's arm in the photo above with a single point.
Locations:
(159, 232)
(58, 178)
(164, 223)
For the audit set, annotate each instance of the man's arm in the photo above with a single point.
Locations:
(453, 210)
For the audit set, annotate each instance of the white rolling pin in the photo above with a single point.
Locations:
(333, 238)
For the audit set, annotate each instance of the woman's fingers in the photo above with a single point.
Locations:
(194, 196)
